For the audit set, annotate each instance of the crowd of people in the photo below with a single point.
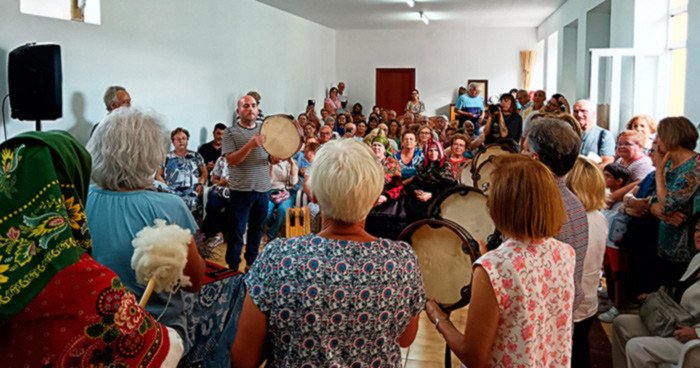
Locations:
(570, 201)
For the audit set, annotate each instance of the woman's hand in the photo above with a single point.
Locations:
(684, 334)
(434, 312)
(382, 199)
(423, 196)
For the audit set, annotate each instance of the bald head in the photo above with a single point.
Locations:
(247, 110)
(585, 114)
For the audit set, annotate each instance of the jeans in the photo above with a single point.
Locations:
(215, 220)
(245, 208)
(277, 215)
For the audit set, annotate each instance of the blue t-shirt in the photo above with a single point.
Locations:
(114, 218)
(590, 142)
(474, 105)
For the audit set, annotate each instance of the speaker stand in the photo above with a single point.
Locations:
(38, 125)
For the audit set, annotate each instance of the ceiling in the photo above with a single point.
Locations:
(396, 14)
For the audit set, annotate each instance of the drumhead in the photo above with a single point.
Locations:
(283, 136)
(465, 206)
(445, 256)
(465, 175)
(491, 150)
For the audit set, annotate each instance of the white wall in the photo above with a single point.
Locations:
(443, 58)
(692, 73)
(190, 62)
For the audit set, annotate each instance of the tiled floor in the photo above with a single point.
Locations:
(428, 349)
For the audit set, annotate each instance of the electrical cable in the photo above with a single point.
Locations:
(4, 124)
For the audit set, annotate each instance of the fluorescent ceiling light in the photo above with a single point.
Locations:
(424, 18)
(411, 3)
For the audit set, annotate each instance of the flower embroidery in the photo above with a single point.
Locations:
(75, 212)
(13, 233)
(3, 269)
(128, 316)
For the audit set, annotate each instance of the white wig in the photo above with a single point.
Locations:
(346, 180)
(127, 148)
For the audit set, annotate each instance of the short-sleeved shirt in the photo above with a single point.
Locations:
(114, 218)
(410, 169)
(253, 173)
(336, 303)
(208, 152)
(534, 288)
(590, 142)
(474, 105)
(639, 168)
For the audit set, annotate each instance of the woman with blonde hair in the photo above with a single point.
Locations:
(646, 125)
(588, 183)
(523, 291)
(338, 298)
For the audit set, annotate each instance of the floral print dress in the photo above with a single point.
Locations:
(336, 303)
(534, 288)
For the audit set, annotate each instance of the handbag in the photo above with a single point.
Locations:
(662, 315)
(279, 196)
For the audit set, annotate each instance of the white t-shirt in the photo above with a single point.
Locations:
(597, 235)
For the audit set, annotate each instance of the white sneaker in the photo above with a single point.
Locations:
(609, 316)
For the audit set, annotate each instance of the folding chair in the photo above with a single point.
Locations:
(298, 222)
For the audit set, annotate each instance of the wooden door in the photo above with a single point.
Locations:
(394, 87)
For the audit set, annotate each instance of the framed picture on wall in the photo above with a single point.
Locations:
(483, 85)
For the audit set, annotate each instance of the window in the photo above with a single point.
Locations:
(676, 43)
(87, 11)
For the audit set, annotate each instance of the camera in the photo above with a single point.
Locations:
(311, 103)
(494, 104)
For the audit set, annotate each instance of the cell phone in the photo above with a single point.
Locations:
(311, 103)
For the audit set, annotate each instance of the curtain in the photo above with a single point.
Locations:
(526, 57)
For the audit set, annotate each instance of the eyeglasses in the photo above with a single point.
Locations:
(626, 144)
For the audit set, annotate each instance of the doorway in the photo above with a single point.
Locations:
(394, 87)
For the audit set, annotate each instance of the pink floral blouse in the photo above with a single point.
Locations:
(534, 287)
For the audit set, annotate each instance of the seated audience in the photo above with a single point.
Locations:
(386, 219)
(425, 134)
(284, 176)
(184, 171)
(318, 300)
(634, 346)
(214, 223)
(211, 151)
(410, 156)
(523, 291)
(587, 182)
(458, 155)
(433, 176)
(361, 129)
(59, 307)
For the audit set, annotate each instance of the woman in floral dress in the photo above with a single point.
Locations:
(522, 292)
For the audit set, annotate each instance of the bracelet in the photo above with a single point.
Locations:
(438, 320)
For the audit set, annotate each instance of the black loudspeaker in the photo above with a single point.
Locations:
(35, 80)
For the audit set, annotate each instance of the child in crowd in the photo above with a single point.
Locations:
(615, 263)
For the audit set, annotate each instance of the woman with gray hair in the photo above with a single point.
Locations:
(339, 298)
(127, 148)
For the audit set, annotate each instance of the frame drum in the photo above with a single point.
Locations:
(445, 255)
(283, 136)
(465, 175)
(465, 206)
(483, 165)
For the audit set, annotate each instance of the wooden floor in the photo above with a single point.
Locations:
(428, 349)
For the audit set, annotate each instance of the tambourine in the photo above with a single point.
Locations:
(465, 206)
(445, 253)
(482, 165)
(283, 136)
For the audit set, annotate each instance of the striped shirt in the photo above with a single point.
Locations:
(253, 173)
(575, 233)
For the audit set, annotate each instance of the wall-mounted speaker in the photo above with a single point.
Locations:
(35, 81)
